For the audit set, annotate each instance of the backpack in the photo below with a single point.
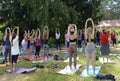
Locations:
(100, 76)
(110, 77)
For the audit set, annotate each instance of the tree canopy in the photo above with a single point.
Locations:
(29, 14)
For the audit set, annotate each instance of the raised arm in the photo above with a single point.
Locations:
(93, 29)
(13, 30)
(38, 33)
(28, 33)
(68, 31)
(10, 34)
(17, 31)
(86, 29)
(6, 31)
(9, 31)
(33, 32)
(25, 33)
(48, 33)
(75, 30)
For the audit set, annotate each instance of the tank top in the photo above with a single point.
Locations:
(38, 42)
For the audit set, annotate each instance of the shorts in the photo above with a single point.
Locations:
(90, 49)
(14, 58)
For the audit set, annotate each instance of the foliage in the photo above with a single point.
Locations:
(110, 9)
(29, 14)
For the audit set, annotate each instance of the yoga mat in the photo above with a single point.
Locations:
(43, 60)
(3, 65)
(118, 57)
(33, 58)
(23, 70)
(105, 60)
(68, 71)
(84, 73)
(67, 60)
(79, 49)
(98, 46)
(113, 54)
(29, 59)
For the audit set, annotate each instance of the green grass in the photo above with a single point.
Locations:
(49, 74)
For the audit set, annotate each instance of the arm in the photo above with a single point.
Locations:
(38, 31)
(10, 34)
(25, 33)
(6, 31)
(28, 33)
(33, 32)
(75, 31)
(93, 31)
(13, 30)
(69, 30)
(17, 31)
(48, 34)
(86, 29)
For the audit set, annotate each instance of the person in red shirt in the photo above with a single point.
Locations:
(104, 41)
(113, 38)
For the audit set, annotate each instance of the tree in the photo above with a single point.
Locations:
(110, 9)
(29, 14)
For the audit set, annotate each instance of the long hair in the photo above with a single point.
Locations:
(45, 32)
(13, 37)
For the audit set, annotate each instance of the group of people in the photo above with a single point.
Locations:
(73, 37)
(88, 36)
(11, 46)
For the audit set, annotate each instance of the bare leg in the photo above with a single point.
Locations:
(93, 62)
(87, 63)
(103, 59)
(14, 66)
(75, 56)
(31, 47)
(107, 57)
(70, 57)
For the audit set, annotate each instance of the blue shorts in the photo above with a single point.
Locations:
(90, 49)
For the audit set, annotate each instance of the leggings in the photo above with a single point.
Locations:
(7, 52)
(79, 43)
(58, 44)
(114, 41)
(72, 53)
(37, 50)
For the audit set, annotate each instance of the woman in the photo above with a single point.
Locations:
(7, 46)
(98, 38)
(3, 44)
(24, 43)
(31, 41)
(15, 48)
(83, 37)
(72, 32)
(45, 41)
(90, 47)
(113, 38)
(79, 38)
(57, 34)
(105, 44)
(38, 42)
(66, 39)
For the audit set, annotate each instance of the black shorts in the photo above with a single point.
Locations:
(14, 58)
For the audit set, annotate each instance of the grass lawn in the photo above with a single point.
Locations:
(49, 74)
